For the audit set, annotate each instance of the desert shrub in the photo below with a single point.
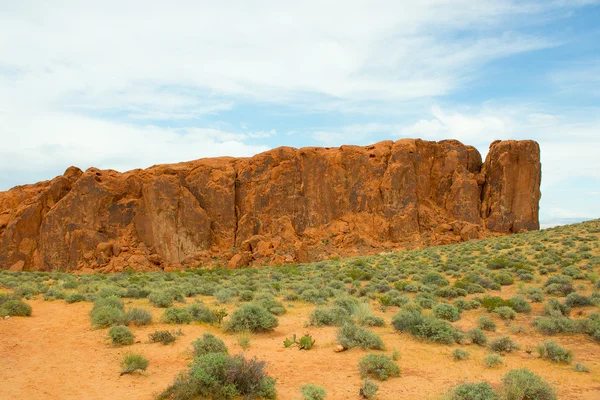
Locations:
(550, 350)
(209, 343)
(333, 316)
(54, 294)
(313, 392)
(120, 335)
(491, 360)
(138, 316)
(473, 391)
(112, 301)
(133, 362)
(350, 335)
(364, 316)
(503, 344)
(447, 312)
(535, 295)
(436, 330)
(252, 318)
(504, 279)
(223, 295)
(136, 292)
(15, 308)
(176, 315)
(425, 327)
(243, 339)
(577, 300)
(161, 299)
(378, 366)
(164, 337)
(449, 292)
(555, 308)
(434, 278)
(460, 354)
(368, 390)
(505, 312)
(560, 285)
(580, 368)
(519, 304)
(486, 324)
(107, 312)
(490, 303)
(74, 298)
(271, 305)
(348, 303)
(200, 313)
(553, 325)
(220, 376)
(522, 384)
(26, 290)
(246, 295)
(477, 336)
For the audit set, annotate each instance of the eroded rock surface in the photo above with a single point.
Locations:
(284, 205)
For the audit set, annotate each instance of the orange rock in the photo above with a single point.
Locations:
(281, 206)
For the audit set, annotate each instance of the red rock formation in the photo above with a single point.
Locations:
(284, 205)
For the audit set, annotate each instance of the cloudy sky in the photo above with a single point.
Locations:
(129, 84)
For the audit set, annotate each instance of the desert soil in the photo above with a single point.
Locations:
(54, 354)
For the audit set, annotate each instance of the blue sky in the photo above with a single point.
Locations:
(126, 85)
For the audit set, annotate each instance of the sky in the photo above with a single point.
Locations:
(130, 84)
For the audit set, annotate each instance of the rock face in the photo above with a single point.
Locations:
(284, 205)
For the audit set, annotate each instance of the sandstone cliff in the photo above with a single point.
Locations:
(284, 205)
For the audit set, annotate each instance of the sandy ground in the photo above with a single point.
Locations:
(54, 354)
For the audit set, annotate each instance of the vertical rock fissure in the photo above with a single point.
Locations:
(236, 211)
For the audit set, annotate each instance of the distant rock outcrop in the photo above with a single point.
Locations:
(285, 205)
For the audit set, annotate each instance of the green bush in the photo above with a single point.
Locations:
(133, 362)
(161, 299)
(426, 327)
(555, 308)
(15, 308)
(164, 337)
(519, 304)
(107, 313)
(491, 360)
(490, 303)
(577, 300)
(221, 376)
(503, 344)
(473, 391)
(460, 354)
(209, 343)
(333, 316)
(550, 350)
(477, 336)
(120, 335)
(200, 313)
(505, 312)
(369, 389)
(74, 298)
(252, 318)
(554, 325)
(138, 316)
(177, 315)
(580, 368)
(350, 335)
(486, 324)
(313, 392)
(522, 384)
(378, 366)
(447, 312)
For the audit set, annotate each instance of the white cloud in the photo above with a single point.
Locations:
(45, 145)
